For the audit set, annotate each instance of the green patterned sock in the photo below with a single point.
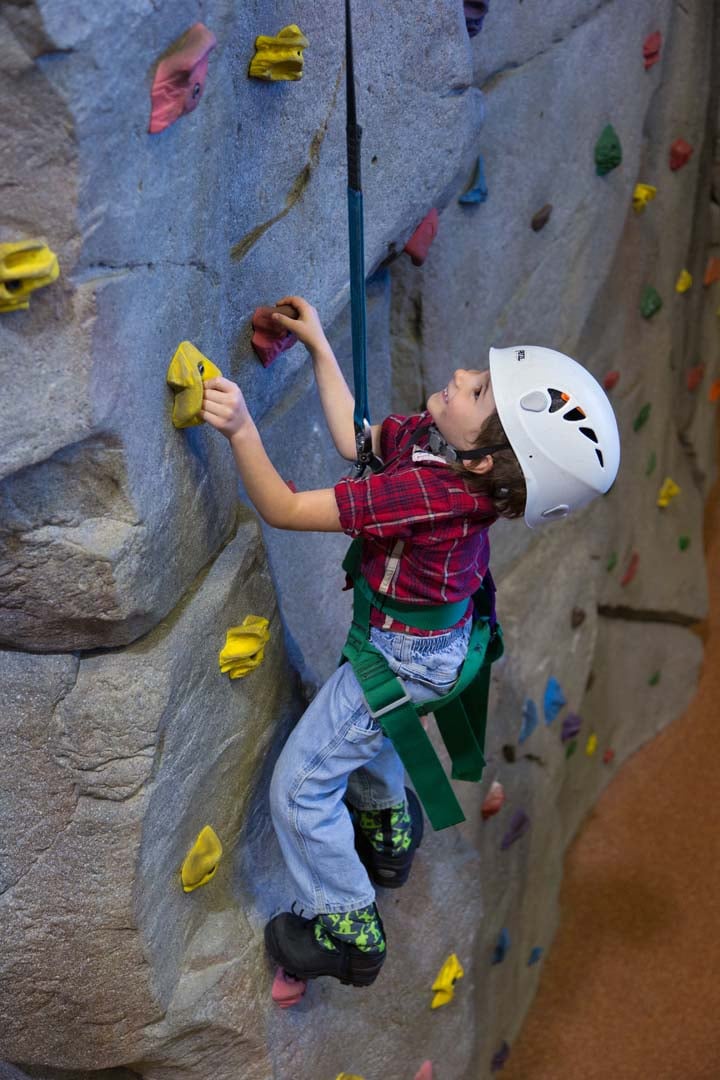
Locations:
(360, 928)
(391, 826)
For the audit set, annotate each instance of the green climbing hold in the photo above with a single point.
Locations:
(654, 679)
(650, 302)
(651, 463)
(612, 562)
(608, 151)
(683, 542)
(642, 417)
(570, 748)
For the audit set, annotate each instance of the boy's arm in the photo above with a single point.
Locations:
(225, 409)
(337, 402)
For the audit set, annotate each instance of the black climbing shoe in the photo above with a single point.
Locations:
(389, 868)
(290, 940)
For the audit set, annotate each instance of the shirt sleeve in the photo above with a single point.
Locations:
(389, 431)
(397, 505)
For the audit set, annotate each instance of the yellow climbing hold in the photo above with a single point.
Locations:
(188, 370)
(444, 985)
(348, 1076)
(279, 58)
(667, 492)
(25, 265)
(202, 860)
(591, 745)
(684, 281)
(642, 195)
(244, 647)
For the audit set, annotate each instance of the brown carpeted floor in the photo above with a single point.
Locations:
(631, 985)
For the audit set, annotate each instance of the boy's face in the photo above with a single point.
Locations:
(460, 410)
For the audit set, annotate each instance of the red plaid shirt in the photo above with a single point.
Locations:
(425, 533)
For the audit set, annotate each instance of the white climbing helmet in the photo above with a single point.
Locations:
(560, 425)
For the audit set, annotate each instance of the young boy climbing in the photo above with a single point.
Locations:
(534, 435)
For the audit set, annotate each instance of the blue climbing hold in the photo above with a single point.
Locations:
(554, 700)
(479, 191)
(475, 11)
(503, 944)
(535, 955)
(519, 825)
(570, 727)
(529, 719)
(500, 1057)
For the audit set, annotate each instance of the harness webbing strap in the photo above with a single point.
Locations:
(460, 714)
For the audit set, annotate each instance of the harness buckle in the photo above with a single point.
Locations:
(393, 705)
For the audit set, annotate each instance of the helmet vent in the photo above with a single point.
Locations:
(557, 399)
(600, 457)
(588, 431)
(574, 414)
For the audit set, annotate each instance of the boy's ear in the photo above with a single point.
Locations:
(481, 466)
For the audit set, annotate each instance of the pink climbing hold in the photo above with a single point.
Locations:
(425, 1071)
(695, 376)
(611, 380)
(269, 338)
(632, 569)
(419, 243)
(493, 800)
(286, 989)
(180, 77)
(651, 49)
(680, 154)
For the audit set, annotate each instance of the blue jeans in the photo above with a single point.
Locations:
(337, 748)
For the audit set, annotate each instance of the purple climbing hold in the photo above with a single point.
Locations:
(475, 11)
(500, 1057)
(553, 701)
(503, 944)
(570, 727)
(519, 825)
(535, 955)
(529, 719)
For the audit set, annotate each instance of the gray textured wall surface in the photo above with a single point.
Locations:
(124, 553)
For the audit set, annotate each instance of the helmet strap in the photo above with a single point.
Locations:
(440, 446)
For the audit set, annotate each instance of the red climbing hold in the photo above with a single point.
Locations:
(680, 154)
(180, 77)
(425, 1071)
(651, 49)
(269, 338)
(632, 569)
(695, 376)
(608, 756)
(611, 380)
(493, 800)
(712, 270)
(292, 486)
(419, 243)
(286, 989)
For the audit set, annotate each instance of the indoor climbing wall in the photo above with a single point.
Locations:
(531, 172)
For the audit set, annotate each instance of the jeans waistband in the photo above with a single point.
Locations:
(424, 644)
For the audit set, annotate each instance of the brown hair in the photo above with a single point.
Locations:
(505, 483)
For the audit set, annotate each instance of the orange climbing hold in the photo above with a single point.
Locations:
(611, 380)
(180, 77)
(651, 49)
(712, 270)
(493, 800)
(714, 391)
(695, 376)
(631, 570)
(419, 243)
(680, 154)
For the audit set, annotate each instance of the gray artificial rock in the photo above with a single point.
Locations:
(129, 754)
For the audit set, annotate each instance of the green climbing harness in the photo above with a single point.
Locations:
(461, 714)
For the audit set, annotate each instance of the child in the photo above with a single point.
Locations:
(535, 435)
